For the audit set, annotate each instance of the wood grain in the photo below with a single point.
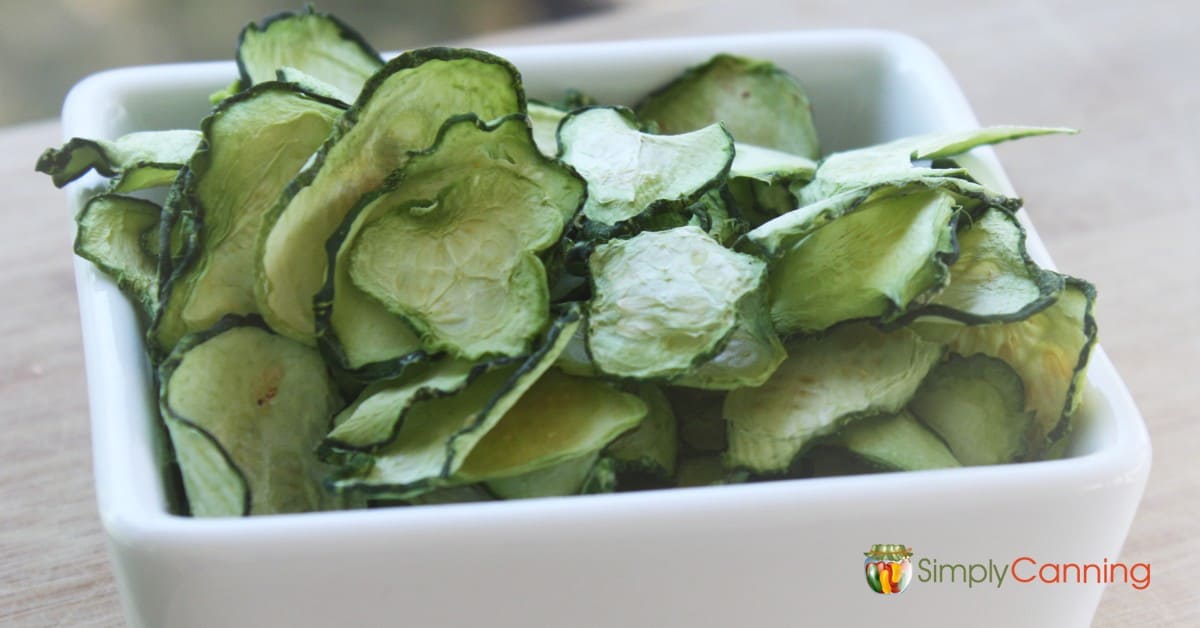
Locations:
(1118, 204)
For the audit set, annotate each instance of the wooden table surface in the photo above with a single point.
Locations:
(1119, 204)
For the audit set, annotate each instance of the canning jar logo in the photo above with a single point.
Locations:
(889, 569)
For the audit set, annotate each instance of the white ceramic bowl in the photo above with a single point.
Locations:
(784, 553)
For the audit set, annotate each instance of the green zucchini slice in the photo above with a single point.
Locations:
(850, 371)
(897, 441)
(630, 173)
(399, 112)
(758, 103)
(563, 478)
(751, 353)
(1049, 350)
(893, 162)
(977, 405)
(119, 234)
(762, 181)
(653, 317)
(245, 408)
(438, 434)
(452, 246)
(140, 160)
(313, 85)
(650, 449)
(544, 120)
(254, 144)
(873, 263)
(317, 44)
(993, 279)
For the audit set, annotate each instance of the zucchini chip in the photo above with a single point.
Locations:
(313, 85)
(544, 120)
(849, 372)
(254, 144)
(119, 234)
(244, 408)
(650, 449)
(317, 44)
(872, 263)
(564, 478)
(897, 441)
(630, 173)
(750, 355)
(758, 103)
(452, 245)
(141, 160)
(400, 111)
(652, 317)
(977, 405)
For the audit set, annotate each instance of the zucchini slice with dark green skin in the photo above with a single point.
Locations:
(317, 44)
(452, 245)
(750, 355)
(758, 103)
(630, 173)
(400, 110)
(314, 85)
(140, 160)
(828, 380)
(544, 120)
(438, 434)
(652, 317)
(897, 441)
(245, 408)
(892, 163)
(977, 405)
(872, 263)
(1049, 350)
(119, 234)
(254, 144)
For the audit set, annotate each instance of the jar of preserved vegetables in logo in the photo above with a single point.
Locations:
(889, 568)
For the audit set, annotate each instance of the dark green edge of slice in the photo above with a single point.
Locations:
(344, 30)
(145, 310)
(1090, 332)
(53, 162)
(356, 462)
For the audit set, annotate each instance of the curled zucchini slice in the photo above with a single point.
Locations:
(544, 120)
(119, 234)
(140, 160)
(244, 408)
(630, 173)
(313, 85)
(849, 372)
(452, 245)
(758, 103)
(896, 441)
(654, 317)
(317, 44)
(399, 112)
(254, 144)
(872, 263)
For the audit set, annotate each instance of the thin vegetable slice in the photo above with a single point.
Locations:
(630, 173)
(398, 112)
(654, 317)
(119, 234)
(140, 160)
(564, 478)
(977, 405)
(750, 355)
(828, 380)
(254, 144)
(452, 245)
(873, 263)
(544, 120)
(758, 103)
(317, 44)
(896, 441)
(245, 408)
(438, 434)
(313, 85)
(652, 447)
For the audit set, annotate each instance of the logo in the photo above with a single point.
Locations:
(888, 567)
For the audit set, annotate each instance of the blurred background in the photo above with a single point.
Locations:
(48, 45)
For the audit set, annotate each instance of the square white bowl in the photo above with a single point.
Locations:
(782, 553)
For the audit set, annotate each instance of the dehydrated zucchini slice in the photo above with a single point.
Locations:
(762, 181)
(757, 102)
(254, 144)
(317, 44)
(313, 85)
(652, 447)
(893, 162)
(750, 355)
(544, 120)
(399, 111)
(664, 301)
(896, 441)
(245, 408)
(850, 371)
(438, 434)
(977, 405)
(564, 478)
(451, 246)
(139, 160)
(630, 173)
(872, 263)
(119, 234)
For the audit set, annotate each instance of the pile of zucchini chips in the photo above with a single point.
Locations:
(376, 283)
